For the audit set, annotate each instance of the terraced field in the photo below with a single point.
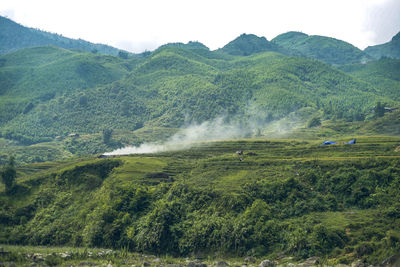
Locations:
(285, 200)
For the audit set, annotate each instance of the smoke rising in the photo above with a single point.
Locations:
(255, 123)
(218, 129)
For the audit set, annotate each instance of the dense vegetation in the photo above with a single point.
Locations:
(14, 36)
(298, 198)
(50, 92)
(64, 100)
(323, 48)
(248, 44)
(63, 92)
(390, 49)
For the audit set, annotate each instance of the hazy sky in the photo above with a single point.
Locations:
(144, 25)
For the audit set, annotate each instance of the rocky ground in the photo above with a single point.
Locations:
(109, 258)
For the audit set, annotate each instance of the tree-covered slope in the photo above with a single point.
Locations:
(280, 197)
(330, 50)
(248, 44)
(33, 76)
(383, 74)
(64, 91)
(390, 49)
(14, 36)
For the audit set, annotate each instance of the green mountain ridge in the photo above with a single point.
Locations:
(14, 36)
(50, 91)
(390, 49)
(285, 199)
(85, 93)
(330, 50)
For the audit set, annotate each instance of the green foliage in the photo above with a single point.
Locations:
(323, 48)
(379, 110)
(389, 49)
(314, 122)
(247, 44)
(8, 174)
(123, 54)
(107, 133)
(15, 36)
(289, 196)
(49, 92)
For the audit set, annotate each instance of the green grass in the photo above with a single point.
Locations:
(49, 91)
(280, 198)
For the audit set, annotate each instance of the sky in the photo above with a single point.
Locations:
(138, 26)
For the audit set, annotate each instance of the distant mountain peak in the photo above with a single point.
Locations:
(189, 45)
(247, 44)
(390, 49)
(292, 34)
(14, 36)
(327, 49)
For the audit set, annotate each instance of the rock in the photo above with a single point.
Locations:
(157, 260)
(357, 263)
(221, 264)
(249, 259)
(310, 262)
(267, 263)
(109, 265)
(87, 263)
(37, 257)
(196, 264)
(392, 261)
(65, 255)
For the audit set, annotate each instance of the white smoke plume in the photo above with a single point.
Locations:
(220, 128)
(217, 129)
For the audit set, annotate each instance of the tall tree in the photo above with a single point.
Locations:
(8, 174)
(379, 109)
(107, 133)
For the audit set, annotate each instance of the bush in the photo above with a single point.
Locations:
(8, 174)
(314, 122)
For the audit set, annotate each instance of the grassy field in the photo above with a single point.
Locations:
(283, 199)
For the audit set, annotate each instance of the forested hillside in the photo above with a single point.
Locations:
(54, 92)
(48, 92)
(279, 198)
(390, 49)
(330, 50)
(206, 179)
(14, 36)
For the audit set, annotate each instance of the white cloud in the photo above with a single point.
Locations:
(141, 25)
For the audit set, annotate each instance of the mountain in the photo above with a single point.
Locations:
(390, 49)
(189, 45)
(329, 50)
(14, 36)
(248, 44)
(383, 74)
(54, 91)
(31, 77)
